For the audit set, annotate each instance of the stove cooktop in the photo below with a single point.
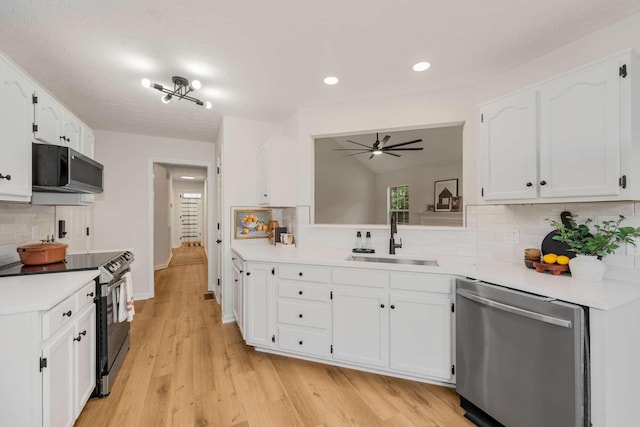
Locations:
(76, 262)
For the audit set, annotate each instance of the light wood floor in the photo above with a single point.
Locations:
(185, 368)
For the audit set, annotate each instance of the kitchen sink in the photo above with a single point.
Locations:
(427, 262)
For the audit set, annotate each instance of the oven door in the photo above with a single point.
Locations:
(116, 332)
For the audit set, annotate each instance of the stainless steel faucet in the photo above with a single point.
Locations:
(392, 243)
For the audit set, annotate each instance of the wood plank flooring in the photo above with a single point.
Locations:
(185, 368)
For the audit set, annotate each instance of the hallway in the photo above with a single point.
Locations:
(185, 368)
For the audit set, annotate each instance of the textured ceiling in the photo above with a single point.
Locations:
(263, 60)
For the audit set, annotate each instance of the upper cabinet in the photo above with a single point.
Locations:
(567, 139)
(55, 125)
(16, 119)
(277, 184)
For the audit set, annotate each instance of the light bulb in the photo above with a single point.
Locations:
(165, 99)
(208, 105)
(421, 66)
(377, 152)
(146, 82)
(331, 80)
(195, 84)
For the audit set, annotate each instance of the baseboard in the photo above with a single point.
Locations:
(165, 264)
(228, 319)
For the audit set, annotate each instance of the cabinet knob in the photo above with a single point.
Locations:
(300, 274)
(235, 280)
(7, 177)
(78, 338)
(264, 195)
(300, 342)
(393, 307)
(529, 184)
(381, 305)
(248, 273)
(300, 292)
(543, 182)
(90, 294)
(68, 313)
(300, 315)
(241, 271)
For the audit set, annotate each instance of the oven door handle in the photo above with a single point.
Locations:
(107, 289)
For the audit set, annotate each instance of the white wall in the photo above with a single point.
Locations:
(161, 226)
(345, 189)
(122, 211)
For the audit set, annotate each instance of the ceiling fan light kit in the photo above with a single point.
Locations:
(181, 90)
(380, 147)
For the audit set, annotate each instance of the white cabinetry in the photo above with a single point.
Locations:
(48, 120)
(277, 173)
(48, 366)
(16, 120)
(238, 292)
(570, 138)
(259, 303)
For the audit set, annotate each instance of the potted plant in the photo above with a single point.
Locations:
(591, 242)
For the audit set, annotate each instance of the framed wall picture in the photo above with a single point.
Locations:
(251, 223)
(443, 192)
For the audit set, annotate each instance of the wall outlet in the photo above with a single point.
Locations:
(512, 237)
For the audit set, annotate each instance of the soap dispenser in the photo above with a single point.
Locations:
(358, 245)
(367, 242)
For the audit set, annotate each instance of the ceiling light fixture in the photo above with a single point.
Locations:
(377, 152)
(331, 80)
(421, 66)
(181, 90)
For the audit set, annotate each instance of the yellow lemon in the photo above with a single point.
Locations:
(562, 260)
(550, 258)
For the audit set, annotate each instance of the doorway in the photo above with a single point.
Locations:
(180, 214)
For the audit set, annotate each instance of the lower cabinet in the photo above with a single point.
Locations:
(386, 321)
(238, 291)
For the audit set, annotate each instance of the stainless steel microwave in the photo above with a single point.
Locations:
(62, 169)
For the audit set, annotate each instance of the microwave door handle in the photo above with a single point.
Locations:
(514, 310)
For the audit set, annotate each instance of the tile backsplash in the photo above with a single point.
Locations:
(500, 232)
(23, 223)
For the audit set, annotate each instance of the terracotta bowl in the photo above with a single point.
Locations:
(42, 253)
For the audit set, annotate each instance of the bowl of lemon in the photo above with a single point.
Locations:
(553, 263)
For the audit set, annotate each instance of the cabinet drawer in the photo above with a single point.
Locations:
(303, 291)
(315, 315)
(304, 272)
(58, 316)
(422, 282)
(314, 343)
(374, 278)
(86, 295)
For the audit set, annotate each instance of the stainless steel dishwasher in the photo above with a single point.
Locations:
(521, 359)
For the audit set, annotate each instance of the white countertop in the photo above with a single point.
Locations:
(39, 292)
(605, 295)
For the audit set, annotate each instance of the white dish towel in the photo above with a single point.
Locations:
(129, 299)
(122, 302)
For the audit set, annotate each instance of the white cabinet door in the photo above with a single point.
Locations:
(238, 276)
(361, 327)
(420, 335)
(580, 133)
(259, 302)
(85, 356)
(48, 119)
(58, 380)
(509, 153)
(263, 176)
(72, 131)
(16, 120)
(87, 147)
(277, 183)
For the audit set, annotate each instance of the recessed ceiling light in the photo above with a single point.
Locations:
(421, 66)
(187, 177)
(331, 80)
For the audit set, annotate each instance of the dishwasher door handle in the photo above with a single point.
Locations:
(514, 310)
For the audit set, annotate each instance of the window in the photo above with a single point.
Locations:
(191, 195)
(399, 203)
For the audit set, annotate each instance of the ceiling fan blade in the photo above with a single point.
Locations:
(404, 143)
(385, 140)
(403, 149)
(371, 157)
(357, 143)
(351, 149)
(391, 154)
(355, 154)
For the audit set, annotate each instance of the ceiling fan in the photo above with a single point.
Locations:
(379, 147)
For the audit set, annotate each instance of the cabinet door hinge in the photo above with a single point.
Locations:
(88, 232)
(273, 338)
(623, 71)
(34, 99)
(273, 271)
(331, 349)
(482, 191)
(218, 226)
(622, 181)
(331, 295)
(218, 282)
(43, 363)
(34, 127)
(453, 369)
(453, 307)
(218, 170)
(481, 118)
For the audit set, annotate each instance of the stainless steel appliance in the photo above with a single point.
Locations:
(62, 169)
(521, 359)
(112, 335)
